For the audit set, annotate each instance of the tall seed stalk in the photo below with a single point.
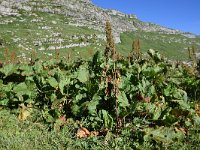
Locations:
(192, 56)
(57, 54)
(13, 57)
(116, 80)
(69, 55)
(33, 57)
(110, 52)
(136, 48)
(110, 45)
(6, 55)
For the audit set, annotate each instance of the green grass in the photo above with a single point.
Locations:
(27, 32)
(33, 134)
(159, 42)
(17, 135)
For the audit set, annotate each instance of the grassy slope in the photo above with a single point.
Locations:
(172, 46)
(27, 32)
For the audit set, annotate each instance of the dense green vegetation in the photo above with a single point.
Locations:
(129, 103)
(59, 90)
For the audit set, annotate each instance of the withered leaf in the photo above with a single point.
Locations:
(82, 132)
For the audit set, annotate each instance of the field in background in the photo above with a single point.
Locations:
(45, 33)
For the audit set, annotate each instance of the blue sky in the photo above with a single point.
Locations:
(183, 15)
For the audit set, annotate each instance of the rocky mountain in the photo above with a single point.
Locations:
(46, 20)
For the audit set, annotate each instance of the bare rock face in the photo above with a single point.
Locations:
(6, 9)
(87, 1)
(81, 12)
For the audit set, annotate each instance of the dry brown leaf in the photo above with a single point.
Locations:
(196, 107)
(147, 99)
(59, 123)
(62, 118)
(198, 113)
(94, 133)
(176, 129)
(183, 130)
(23, 114)
(82, 132)
(177, 112)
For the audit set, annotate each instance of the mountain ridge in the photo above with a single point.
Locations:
(101, 15)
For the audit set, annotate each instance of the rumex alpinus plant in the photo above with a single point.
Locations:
(33, 57)
(114, 78)
(10, 57)
(136, 52)
(6, 55)
(69, 56)
(192, 87)
(13, 57)
(192, 56)
(90, 52)
(57, 54)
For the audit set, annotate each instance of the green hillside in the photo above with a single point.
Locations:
(172, 46)
(52, 26)
(41, 31)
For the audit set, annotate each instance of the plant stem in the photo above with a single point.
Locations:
(116, 98)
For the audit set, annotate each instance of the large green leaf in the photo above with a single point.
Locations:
(157, 113)
(4, 102)
(8, 69)
(52, 81)
(1, 83)
(26, 70)
(122, 99)
(196, 119)
(107, 118)
(75, 110)
(63, 81)
(83, 74)
(93, 104)
(8, 87)
(20, 88)
(78, 97)
(183, 104)
(61, 86)
(162, 134)
(38, 67)
(30, 83)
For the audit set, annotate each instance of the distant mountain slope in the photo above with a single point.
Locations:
(47, 25)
